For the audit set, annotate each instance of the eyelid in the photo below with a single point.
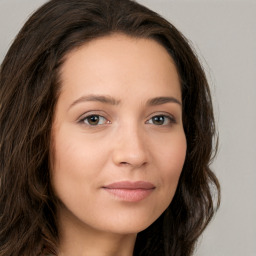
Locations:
(99, 113)
(164, 114)
(86, 120)
(91, 113)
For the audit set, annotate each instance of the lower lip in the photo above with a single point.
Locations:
(129, 195)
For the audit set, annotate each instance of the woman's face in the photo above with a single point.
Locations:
(118, 139)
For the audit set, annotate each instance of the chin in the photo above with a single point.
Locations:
(129, 225)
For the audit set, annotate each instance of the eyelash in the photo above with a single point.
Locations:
(86, 118)
(166, 120)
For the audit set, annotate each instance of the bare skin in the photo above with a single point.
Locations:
(119, 143)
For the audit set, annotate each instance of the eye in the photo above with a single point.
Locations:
(161, 120)
(94, 120)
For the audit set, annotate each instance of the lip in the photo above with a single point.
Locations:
(130, 191)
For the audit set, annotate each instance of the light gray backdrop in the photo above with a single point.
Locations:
(223, 33)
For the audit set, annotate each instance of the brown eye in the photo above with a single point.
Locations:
(158, 120)
(161, 120)
(94, 120)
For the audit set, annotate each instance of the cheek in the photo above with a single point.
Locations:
(171, 160)
(72, 148)
(172, 153)
(75, 163)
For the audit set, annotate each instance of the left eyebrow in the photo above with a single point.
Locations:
(162, 100)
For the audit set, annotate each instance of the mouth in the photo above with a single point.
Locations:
(130, 191)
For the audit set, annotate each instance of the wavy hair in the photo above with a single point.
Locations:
(29, 89)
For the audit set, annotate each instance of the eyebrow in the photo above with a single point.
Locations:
(112, 101)
(162, 100)
(99, 98)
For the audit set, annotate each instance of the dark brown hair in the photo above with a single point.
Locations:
(29, 86)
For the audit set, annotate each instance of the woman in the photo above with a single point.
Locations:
(106, 135)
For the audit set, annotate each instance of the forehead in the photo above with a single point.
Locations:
(120, 62)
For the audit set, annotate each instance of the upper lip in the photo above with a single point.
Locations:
(130, 185)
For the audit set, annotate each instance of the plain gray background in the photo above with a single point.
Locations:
(223, 33)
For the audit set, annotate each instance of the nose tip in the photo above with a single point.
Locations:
(130, 150)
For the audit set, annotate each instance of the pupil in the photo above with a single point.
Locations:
(93, 120)
(158, 120)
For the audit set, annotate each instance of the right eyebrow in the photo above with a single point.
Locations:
(99, 98)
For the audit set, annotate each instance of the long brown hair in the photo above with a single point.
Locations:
(29, 87)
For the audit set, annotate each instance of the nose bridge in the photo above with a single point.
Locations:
(130, 145)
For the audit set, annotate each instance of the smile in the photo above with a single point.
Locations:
(130, 191)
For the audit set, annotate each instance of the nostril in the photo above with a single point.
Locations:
(124, 163)
(132, 164)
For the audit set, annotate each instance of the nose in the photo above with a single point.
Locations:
(130, 148)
